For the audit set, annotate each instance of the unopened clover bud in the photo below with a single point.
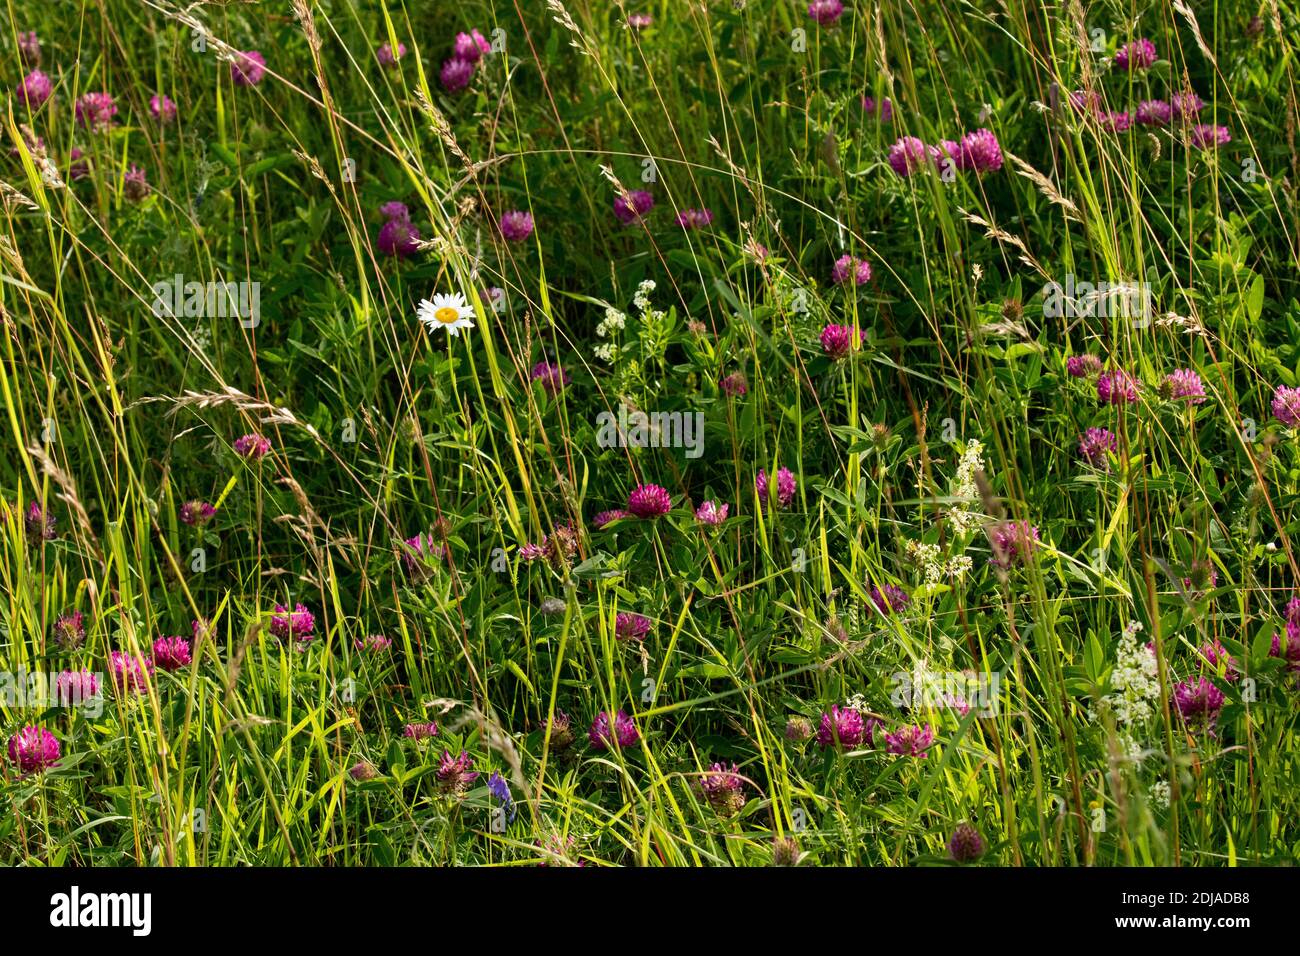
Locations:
(785, 851)
(364, 770)
(798, 728)
(966, 844)
(561, 731)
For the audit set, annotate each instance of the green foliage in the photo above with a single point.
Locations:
(953, 417)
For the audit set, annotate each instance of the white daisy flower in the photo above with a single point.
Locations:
(450, 312)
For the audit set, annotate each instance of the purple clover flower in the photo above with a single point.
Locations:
(694, 218)
(196, 513)
(1116, 387)
(980, 152)
(1210, 136)
(135, 184)
(1286, 405)
(298, 624)
(1185, 106)
(1137, 54)
(1095, 445)
(171, 653)
(387, 56)
(912, 741)
(33, 749)
(1184, 385)
(622, 734)
(844, 728)
(723, 788)
(1198, 701)
(1013, 542)
(130, 672)
(649, 501)
(29, 48)
(633, 206)
(553, 377)
(76, 687)
(95, 112)
(884, 110)
(825, 12)
(162, 108)
(252, 446)
(418, 552)
(1083, 366)
(455, 774)
(456, 74)
(838, 341)
(890, 599)
(910, 155)
(847, 267)
(603, 518)
(1216, 655)
(516, 226)
(70, 630)
(373, 644)
(734, 384)
(34, 89)
(471, 46)
(1154, 113)
(785, 487)
(631, 627)
(710, 513)
(247, 68)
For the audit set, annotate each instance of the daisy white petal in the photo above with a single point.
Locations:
(450, 312)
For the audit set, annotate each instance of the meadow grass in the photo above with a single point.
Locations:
(432, 489)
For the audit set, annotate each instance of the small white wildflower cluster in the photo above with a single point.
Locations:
(963, 517)
(1134, 679)
(1137, 687)
(858, 702)
(1160, 794)
(614, 322)
(1132, 749)
(934, 566)
(654, 322)
(642, 298)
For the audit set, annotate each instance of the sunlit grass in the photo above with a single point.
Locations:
(116, 416)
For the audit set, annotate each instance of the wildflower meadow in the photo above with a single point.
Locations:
(691, 433)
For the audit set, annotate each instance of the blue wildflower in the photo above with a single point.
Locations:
(498, 787)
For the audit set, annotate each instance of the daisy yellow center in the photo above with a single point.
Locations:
(447, 315)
